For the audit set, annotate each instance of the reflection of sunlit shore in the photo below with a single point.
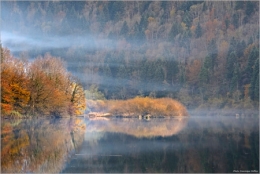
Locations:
(138, 128)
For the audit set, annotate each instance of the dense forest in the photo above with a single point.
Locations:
(202, 53)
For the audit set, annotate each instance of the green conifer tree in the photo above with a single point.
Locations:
(124, 29)
(204, 76)
(232, 46)
(231, 60)
(198, 31)
(250, 6)
(254, 84)
(175, 30)
(213, 54)
(254, 54)
(235, 78)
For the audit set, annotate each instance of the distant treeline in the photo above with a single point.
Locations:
(203, 53)
(38, 88)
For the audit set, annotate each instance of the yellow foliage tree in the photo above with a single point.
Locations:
(78, 100)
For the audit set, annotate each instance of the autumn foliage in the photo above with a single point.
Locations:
(139, 106)
(41, 87)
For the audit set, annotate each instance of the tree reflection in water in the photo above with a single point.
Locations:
(200, 144)
(38, 145)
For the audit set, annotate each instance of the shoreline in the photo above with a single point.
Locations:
(140, 116)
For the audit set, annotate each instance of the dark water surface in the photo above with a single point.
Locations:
(159, 145)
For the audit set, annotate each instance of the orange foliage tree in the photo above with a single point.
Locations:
(14, 82)
(43, 87)
(54, 91)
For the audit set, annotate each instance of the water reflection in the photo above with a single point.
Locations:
(204, 145)
(38, 145)
(136, 127)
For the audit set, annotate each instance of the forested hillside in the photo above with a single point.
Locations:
(203, 53)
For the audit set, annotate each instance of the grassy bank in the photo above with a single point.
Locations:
(139, 106)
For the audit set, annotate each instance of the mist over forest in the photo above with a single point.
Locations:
(202, 53)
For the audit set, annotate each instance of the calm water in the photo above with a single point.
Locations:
(191, 144)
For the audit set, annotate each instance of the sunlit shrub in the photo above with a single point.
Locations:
(139, 106)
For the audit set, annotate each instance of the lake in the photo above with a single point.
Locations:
(221, 144)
